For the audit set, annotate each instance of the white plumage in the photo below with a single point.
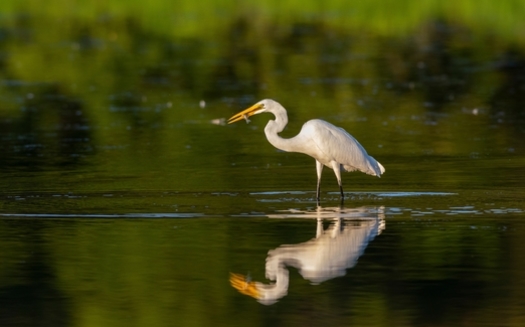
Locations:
(329, 145)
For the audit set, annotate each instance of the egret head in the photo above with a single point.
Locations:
(259, 107)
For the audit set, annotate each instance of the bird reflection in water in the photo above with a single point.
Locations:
(327, 256)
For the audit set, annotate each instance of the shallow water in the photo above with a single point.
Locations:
(125, 199)
(383, 257)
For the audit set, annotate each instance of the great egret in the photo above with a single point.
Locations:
(329, 145)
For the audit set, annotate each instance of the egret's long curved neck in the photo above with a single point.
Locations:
(276, 126)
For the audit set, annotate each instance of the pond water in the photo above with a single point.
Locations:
(126, 200)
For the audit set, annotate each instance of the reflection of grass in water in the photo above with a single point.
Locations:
(190, 18)
(101, 69)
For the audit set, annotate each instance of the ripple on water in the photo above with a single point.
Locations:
(104, 216)
(452, 211)
(382, 194)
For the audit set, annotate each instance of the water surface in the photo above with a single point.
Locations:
(125, 200)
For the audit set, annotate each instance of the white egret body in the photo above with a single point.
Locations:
(329, 145)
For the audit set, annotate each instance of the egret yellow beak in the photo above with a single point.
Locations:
(240, 283)
(253, 110)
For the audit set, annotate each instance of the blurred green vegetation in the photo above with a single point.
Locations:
(88, 84)
(191, 19)
(100, 112)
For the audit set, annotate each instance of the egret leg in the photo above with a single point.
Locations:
(337, 170)
(319, 167)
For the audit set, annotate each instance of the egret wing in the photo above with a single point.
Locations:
(338, 145)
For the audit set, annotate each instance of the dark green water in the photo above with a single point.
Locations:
(125, 200)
